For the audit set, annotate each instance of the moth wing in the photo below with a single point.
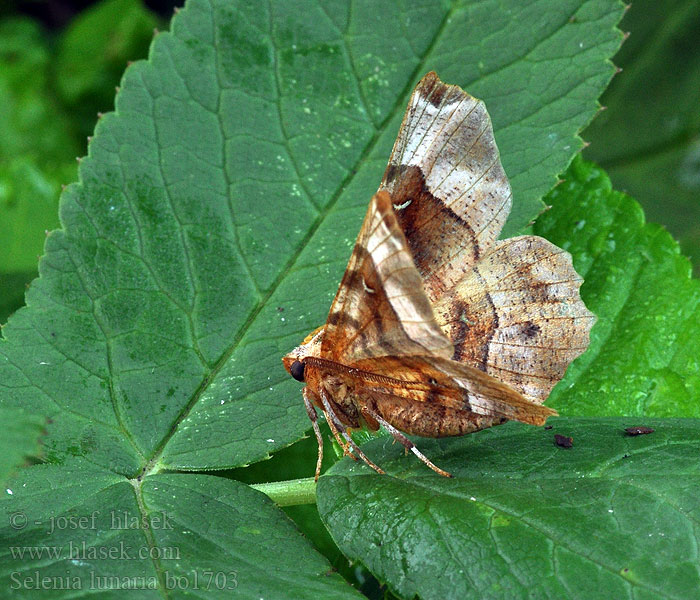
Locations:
(381, 308)
(517, 315)
(452, 391)
(446, 181)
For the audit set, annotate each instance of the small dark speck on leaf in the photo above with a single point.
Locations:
(563, 441)
(638, 430)
(548, 427)
(280, 309)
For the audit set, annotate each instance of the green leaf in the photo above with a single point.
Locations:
(612, 517)
(28, 202)
(667, 185)
(93, 53)
(654, 109)
(644, 358)
(234, 175)
(204, 536)
(20, 439)
(298, 461)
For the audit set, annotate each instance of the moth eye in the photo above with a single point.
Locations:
(297, 370)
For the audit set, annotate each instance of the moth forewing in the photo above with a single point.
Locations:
(489, 397)
(432, 396)
(451, 193)
(381, 308)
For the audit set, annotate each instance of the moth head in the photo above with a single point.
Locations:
(294, 361)
(295, 366)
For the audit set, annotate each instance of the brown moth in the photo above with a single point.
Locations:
(438, 328)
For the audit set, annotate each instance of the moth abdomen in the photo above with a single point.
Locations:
(410, 416)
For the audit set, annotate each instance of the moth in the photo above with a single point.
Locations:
(438, 328)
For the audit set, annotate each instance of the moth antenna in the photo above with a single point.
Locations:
(408, 444)
(311, 411)
(350, 441)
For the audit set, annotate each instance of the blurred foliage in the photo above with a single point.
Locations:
(648, 139)
(52, 85)
(92, 54)
(31, 119)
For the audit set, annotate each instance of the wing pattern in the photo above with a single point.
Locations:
(380, 308)
(517, 315)
(447, 183)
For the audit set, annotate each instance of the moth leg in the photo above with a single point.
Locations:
(331, 419)
(347, 450)
(311, 411)
(408, 444)
(350, 441)
(361, 454)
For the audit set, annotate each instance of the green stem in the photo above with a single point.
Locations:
(289, 493)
